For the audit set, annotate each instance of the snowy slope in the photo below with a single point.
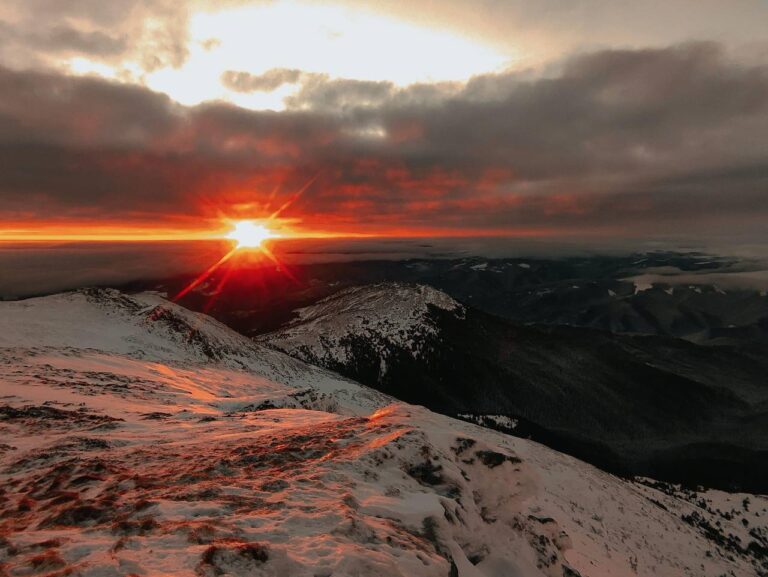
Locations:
(148, 327)
(387, 316)
(125, 449)
(650, 406)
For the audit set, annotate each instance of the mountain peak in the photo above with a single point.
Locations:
(124, 451)
(390, 316)
(407, 302)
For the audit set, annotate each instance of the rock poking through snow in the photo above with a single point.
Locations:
(128, 450)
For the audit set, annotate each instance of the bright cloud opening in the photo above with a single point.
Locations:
(333, 40)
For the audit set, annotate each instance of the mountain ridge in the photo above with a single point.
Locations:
(630, 404)
(127, 449)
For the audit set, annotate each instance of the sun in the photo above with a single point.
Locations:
(248, 234)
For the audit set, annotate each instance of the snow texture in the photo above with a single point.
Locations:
(137, 438)
(387, 316)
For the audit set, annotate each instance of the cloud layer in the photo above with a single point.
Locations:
(617, 141)
(35, 33)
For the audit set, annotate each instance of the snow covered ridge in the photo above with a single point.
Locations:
(386, 315)
(146, 326)
(154, 458)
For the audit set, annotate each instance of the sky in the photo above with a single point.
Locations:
(156, 119)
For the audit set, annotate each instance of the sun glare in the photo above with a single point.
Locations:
(248, 234)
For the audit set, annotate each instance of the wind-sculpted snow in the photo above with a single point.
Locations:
(122, 463)
(148, 327)
(388, 318)
(177, 475)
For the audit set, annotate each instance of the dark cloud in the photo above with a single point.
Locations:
(53, 109)
(66, 38)
(625, 141)
(270, 80)
(320, 93)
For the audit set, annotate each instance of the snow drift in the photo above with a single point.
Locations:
(138, 438)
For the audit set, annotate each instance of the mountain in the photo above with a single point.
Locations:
(637, 405)
(140, 438)
(148, 327)
(699, 297)
(702, 298)
(385, 319)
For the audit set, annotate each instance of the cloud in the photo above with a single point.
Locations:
(44, 268)
(320, 93)
(628, 142)
(66, 39)
(547, 30)
(40, 33)
(270, 80)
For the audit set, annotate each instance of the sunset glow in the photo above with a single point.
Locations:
(381, 288)
(176, 121)
(248, 234)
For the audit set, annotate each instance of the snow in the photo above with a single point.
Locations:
(148, 327)
(523, 265)
(131, 446)
(385, 314)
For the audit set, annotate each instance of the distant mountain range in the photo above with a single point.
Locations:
(583, 353)
(644, 405)
(682, 295)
